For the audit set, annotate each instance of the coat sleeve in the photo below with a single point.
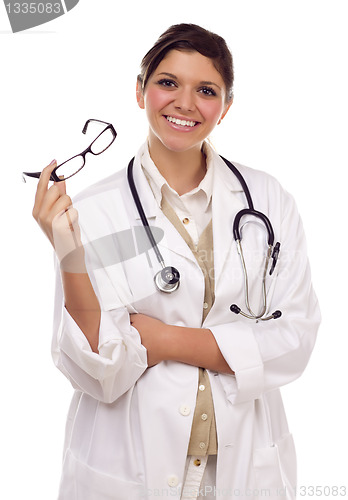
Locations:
(268, 354)
(121, 360)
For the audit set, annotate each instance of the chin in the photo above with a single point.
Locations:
(177, 145)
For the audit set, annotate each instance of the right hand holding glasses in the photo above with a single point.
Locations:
(53, 208)
(58, 219)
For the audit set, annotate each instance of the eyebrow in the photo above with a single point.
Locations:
(168, 74)
(201, 83)
(211, 83)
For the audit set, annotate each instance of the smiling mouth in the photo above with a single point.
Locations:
(182, 123)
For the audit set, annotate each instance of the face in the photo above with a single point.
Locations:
(184, 99)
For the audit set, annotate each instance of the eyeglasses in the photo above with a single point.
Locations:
(72, 166)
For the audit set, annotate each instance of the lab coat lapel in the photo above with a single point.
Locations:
(172, 240)
(227, 202)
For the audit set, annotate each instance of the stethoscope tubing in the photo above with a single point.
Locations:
(254, 213)
(168, 279)
(241, 181)
(252, 315)
(141, 212)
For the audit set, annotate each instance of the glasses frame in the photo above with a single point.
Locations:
(54, 177)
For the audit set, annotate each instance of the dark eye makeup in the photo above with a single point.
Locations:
(206, 90)
(209, 91)
(166, 82)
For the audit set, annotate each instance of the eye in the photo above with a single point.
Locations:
(165, 82)
(208, 91)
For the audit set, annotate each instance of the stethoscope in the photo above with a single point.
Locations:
(167, 280)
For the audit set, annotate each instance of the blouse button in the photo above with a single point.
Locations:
(197, 462)
(201, 387)
(205, 305)
(186, 220)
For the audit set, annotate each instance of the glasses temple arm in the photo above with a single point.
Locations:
(32, 174)
(36, 175)
(84, 130)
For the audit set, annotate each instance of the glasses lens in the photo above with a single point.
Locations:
(70, 167)
(102, 142)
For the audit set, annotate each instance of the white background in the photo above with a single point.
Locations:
(289, 118)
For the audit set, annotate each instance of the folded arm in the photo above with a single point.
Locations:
(193, 346)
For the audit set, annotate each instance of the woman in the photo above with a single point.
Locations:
(174, 394)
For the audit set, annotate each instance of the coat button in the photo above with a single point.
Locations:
(202, 445)
(202, 387)
(186, 220)
(204, 416)
(185, 410)
(173, 480)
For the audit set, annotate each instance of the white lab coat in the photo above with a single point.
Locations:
(128, 427)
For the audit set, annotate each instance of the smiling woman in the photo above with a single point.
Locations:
(176, 395)
(184, 98)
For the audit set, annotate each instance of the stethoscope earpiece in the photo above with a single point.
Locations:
(237, 310)
(167, 279)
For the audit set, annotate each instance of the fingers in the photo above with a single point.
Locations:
(47, 202)
(42, 186)
(46, 197)
(51, 203)
(66, 233)
(61, 187)
(66, 219)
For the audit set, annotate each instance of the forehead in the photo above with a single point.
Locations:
(189, 64)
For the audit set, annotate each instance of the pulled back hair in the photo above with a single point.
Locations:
(190, 37)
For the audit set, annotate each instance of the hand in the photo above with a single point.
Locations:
(57, 218)
(193, 346)
(154, 337)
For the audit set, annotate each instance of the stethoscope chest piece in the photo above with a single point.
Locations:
(167, 279)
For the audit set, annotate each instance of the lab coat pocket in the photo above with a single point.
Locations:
(82, 482)
(275, 469)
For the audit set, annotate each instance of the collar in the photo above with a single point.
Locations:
(160, 186)
(223, 179)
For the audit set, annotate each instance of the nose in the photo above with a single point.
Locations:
(185, 100)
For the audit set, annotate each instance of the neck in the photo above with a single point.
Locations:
(182, 170)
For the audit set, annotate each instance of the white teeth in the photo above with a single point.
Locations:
(183, 123)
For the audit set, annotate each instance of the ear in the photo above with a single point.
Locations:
(225, 111)
(140, 95)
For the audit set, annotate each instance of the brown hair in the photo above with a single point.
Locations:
(190, 37)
